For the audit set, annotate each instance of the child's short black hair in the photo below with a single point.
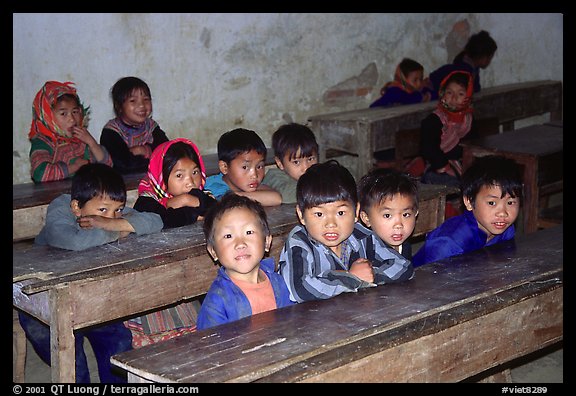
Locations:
(290, 137)
(492, 170)
(408, 66)
(176, 152)
(480, 44)
(382, 183)
(95, 180)
(324, 183)
(230, 200)
(122, 90)
(239, 141)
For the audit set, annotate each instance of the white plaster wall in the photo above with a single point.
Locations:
(210, 73)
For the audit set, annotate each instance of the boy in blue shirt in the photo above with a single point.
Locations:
(492, 194)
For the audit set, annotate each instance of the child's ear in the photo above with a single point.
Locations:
(300, 216)
(223, 166)
(279, 163)
(364, 218)
(357, 211)
(468, 204)
(268, 244)
(212, 252)
(75, 207)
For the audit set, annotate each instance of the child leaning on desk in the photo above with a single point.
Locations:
(93, 214)
(242, 163)
(330, 253)
(492, 194)
(295, 150)
(238, 237)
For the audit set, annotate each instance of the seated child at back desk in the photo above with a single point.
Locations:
(331, 252)
(492, 194)
(93, 214)
(295, 150)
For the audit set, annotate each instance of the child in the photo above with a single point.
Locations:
(238, 237)
(330, 252)
(442, 130)
(133, 134)
(477, 54)
(295, 150)
(389, 206)
(492, 194)
(60, 141)
(173, 187)
(408, 86)
(241, 159)
(93, 214)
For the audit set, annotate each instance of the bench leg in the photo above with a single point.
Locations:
(18, 349)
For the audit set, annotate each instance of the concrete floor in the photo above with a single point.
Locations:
(540, 368)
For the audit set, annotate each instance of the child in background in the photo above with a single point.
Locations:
(492, 194)
(389, 206)
(295, 150)
(442, 130)
(60, 141)
(132, 136)
(408, 86)
(330, 252)
(174, 185)
(93, 214)
(476, 55)
(241, 159)
(238, 237)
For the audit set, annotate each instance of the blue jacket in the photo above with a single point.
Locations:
(395, 96)
(225, 302)
(457, 235)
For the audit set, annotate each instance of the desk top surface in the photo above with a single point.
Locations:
(535, 140)
(289, 343)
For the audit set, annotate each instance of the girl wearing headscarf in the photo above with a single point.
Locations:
(442, 131)
(60, 140)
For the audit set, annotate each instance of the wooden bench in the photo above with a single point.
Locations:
(468, 316)
(30, 200)
(364, 131)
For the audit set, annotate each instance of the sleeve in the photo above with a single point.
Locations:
(179, 217)
(430, 132)
(124, 161)
(42, 164)
(389, 266)
(143, 222)
(158, 137)
(310, 276)
(282, 183)
(436, 248)
(212, 312)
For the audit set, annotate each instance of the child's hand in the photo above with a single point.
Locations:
(183, 200)
(144, 151)
(89, 222)
(362, 268)
(426, 97)
(82, 134)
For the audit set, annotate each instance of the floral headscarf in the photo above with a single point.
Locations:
(399, 81)
(456, 121)
(43, 120)
(154, 185)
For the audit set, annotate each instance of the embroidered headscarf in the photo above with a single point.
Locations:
(43, 120)
(154, 185)
(399, 81)
(456, 121)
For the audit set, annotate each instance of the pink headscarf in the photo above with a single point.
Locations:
(154, 185)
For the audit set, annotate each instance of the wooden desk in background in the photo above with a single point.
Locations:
(365, 131)
(539, 148)
(456, 319)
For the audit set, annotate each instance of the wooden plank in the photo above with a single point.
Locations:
(442, 308)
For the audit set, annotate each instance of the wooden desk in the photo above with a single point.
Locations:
(456, 319)
(539, 148)
(70, 290)
(364, 131)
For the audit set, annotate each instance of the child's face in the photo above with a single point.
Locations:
(493, 214)
(136, 108)
(100, 205)
(185, 176)
(455, 95)
(393, 219)
(414, 78)
(296, 166)
(239, 243)
(245, 172)
(331, 223)
(67, 115)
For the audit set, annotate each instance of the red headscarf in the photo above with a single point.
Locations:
(399, 81)
(154, 185)
(43, 121)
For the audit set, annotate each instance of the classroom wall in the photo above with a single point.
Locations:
(210, 73)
